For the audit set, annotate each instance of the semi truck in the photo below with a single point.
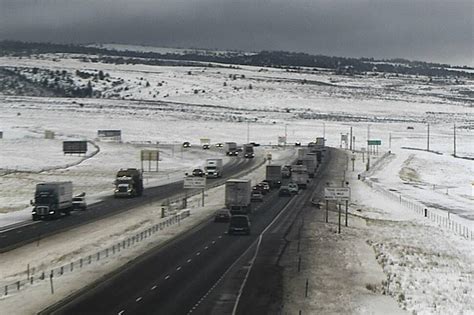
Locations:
(213, 168)
(299, 175)
(237, 196)
(310, 163)
(273, 175)
(52, 200)
(248, 151)
(231, 149)
(128, 183)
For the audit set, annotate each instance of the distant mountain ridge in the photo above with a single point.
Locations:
(278, 59)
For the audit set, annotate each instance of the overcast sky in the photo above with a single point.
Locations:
(428, 30)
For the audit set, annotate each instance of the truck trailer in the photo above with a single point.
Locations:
(237, 195)
(273, 175)
(52, 200)
(213, 168)
(300, 176)
(128, 183)
(231, 149)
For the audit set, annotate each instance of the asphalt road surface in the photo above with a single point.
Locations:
(195, 272)
(21, 234)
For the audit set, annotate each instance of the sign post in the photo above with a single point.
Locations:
(194, 182)
(150, 155)
(337, 194)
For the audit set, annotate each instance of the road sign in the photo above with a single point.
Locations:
(374, 142)
(337, 193)
(192, 182)
(269, 156)
(150, 155)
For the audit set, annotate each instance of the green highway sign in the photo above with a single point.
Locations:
(374, 142)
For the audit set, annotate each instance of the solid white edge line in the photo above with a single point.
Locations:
(237, 300)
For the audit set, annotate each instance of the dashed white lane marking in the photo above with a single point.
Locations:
(167, 277)
(138, 299)
(178, 269)
(206, 247)
(213, 242)
(220, 236)
(189, 260)
(153, 287)
(121, 312)
(198, 253)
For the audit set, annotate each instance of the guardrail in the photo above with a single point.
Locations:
(444, 219)
(33, 276)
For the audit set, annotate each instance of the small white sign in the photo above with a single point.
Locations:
(193, 182)
(337, 193)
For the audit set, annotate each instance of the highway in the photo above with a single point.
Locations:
(188, 274)
(30, 231)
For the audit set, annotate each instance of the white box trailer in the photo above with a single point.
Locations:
(52, 199)
(237, 195)
(230, 149)
(273, 175)
(300, 176)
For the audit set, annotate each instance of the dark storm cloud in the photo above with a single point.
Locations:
(436, 30)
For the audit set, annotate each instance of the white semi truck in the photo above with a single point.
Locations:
(300, 176)
(213, 168)
(237, 195)
(231, 149)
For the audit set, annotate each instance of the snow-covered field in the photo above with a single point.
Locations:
(260, 104)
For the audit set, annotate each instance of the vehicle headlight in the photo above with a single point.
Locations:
(51, 212)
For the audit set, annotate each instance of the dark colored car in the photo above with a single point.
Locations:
(239, 224)
(260, 187)
(186, 144)
(256, 196)
(266, 186)
(297, 144)
(206, 146)
(255, 144)
(222, 215)
(284, 191)
(198, 172)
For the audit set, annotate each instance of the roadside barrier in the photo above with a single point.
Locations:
(33, 276)
(445, 219)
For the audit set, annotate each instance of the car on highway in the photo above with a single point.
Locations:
(266, 186)
(219, 145)
(222, 215)
(286, 171)
(186, 144)
(79, 203)
(293, 188)
(284, 191)
(260, 187)
(198, 172)
(206, 146)
(297, 144)
(256, 195)
(239, 224)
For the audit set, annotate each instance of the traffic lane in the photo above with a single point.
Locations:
(143, 272)
(109, 206)
(158, 266)
(185, 288)
(264, 288)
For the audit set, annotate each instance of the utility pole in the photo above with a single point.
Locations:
(390, 141)
(454, 131)
(368, 152)
(324, 132)
(350, 147)
(428, 138)
(285, 134)
(248, 131)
